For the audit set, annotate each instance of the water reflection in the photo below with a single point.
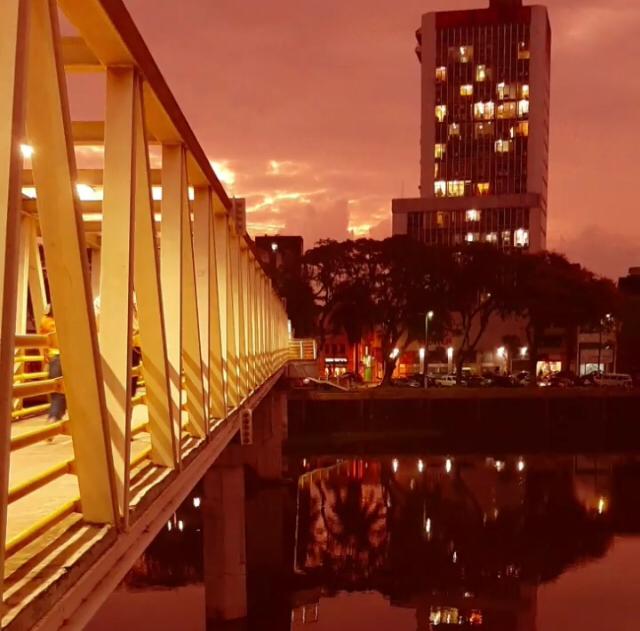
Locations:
(417, 542)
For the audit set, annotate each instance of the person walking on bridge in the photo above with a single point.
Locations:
(52, 358)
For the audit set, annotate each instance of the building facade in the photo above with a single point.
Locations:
(485, 128)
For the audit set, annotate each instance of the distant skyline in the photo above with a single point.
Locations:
(311, 110)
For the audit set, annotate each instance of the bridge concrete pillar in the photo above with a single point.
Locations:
(225, 566)
(264, 456)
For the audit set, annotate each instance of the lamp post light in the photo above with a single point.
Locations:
(450, 359)
(421, 354)
(425, 368)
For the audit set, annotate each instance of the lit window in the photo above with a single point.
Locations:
(441, 73)
(523, 51)
(503, 146)
(482, 130)
(522, 129)
(466, 90)
(454, 129)
(439, 149)
(455, 188)
(481, 72)
(440, 188)
(441, 112)
(472, 215)
(470, 236)
(482, 188)
(524, 91)
(521, 238)
(491, 237)
(483, 110)
(523, 108)
(506, 90)
(440, 216)
(436, 169)
(506, 110)
(506, 237)
(461, 54)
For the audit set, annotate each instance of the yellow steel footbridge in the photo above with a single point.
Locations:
(123, 228)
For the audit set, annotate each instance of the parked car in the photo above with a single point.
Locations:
(445, 380)
(503, 381)
(475, 381)
(523, 377)
(611, 379)
(563, 379)
(408, 382)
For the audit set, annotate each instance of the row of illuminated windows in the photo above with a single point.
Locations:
(464, 54)
(499, 146)
(487, 110)
(486, 130)
(520, 237)
(482, 74)
(458, 188)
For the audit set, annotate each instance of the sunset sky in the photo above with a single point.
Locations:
(310, 109)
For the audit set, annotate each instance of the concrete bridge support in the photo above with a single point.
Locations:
(225, 566)
(244, 517)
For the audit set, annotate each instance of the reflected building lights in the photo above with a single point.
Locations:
(520, 465)
(448, 465)
(420, 466)
(196, 502)
(394, 465)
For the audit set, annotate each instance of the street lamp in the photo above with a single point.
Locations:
(421, 355)
(450, 359)
(425, 369)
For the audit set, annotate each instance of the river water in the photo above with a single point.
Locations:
(509, 543)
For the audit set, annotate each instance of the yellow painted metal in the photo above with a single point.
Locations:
(191, 351)
(29, 411)
(209, 323)
(216, 379)
(140, 428)
(171, 273)
(233, 390)
(220, 242)
(37, 291)
(25, 359)
(37, 388)
(243, 363)
(202, 260)
(141, 457)
(22, 292)
(13, 27)
(31, 437)
(38, 481)
(116, 278)
(53, 164)
(32, 341)
(40, 526)
(151, 314)
(30, 376)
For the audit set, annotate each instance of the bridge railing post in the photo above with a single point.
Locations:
(61, 225)
(151, 313)
(13, 28)
(116, 277)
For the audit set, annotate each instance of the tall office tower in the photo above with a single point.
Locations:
(485, 128)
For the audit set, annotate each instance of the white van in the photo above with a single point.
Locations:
(619, 380)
